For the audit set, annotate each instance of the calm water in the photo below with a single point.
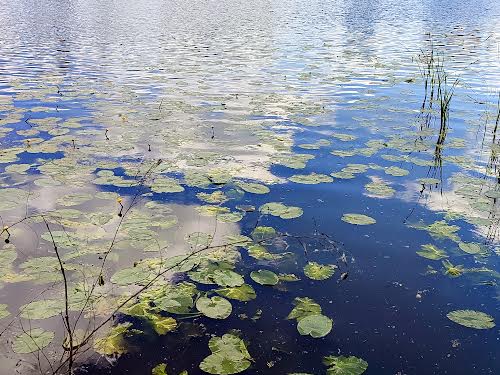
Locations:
(94, 93)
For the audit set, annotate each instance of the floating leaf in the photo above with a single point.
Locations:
(74, 199)
(472, 319)
(227, 278)
(429, 181)
(470, 247)
(316, 271)
(134, 275)
(41, 309)
(160, 369)
(281, 210)
(345, 365)
(243, 293)
(215, 197)
(430, 251)
(288, 277)
(264, 277)
(230, 217)
(396, 171)
(198, 239)
(32, 341)
(114, 342)
(379, 189)
(3, 311)
(254, 188)
(260, 252)
(315, 325)
(451, 270)
(162, 325)
(311, 179)
(493, 194)
(358, 219)
(295, 161)
(215, 307)
(441, 229)
(229, 356)
(304, 306)
(166, 185)
(261, 233)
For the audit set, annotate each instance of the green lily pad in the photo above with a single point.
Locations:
(229, 356)
(74, 199)
(304, 306)
(358, 219)
(441, 229)
(396, 171)
(215, 307)
(315, 325)
(253, 188)
(264, 277)
(213, 198)
(166, 185)
(159, 369)
(472, 319)
(310, 179)
(134, 275)
(432, 252)
(114, 342)
(161, 324)
(342, 365)
(260, 252)
(280, 210)
(379, 189)
(429, 181)
(230, 217)
(32, 341)
(242, 293)
(316, 271)
(261, 233)
(43, 309)
(227, 278)
(470, 247)
(3, 311)
(493, 194)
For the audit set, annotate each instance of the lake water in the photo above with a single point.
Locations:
(349, 147)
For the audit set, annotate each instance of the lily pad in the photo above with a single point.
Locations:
(215, 307)
(432, 252)
(3, 311)
(342, 365)
(316, 271)
(264, 277)
(470, 247)
(280, 210)
(253, 188)
(242, 293)
(472, 319)
(358, 219)
(32, 341)
(227, 278)
(261, 233)
(315, 325)
(161, 324)
(396, 171)
(114, 342)
(229, 356)
(134, 275)
(310, 179)
(160, 369)
(41, 309)
(304, 306)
